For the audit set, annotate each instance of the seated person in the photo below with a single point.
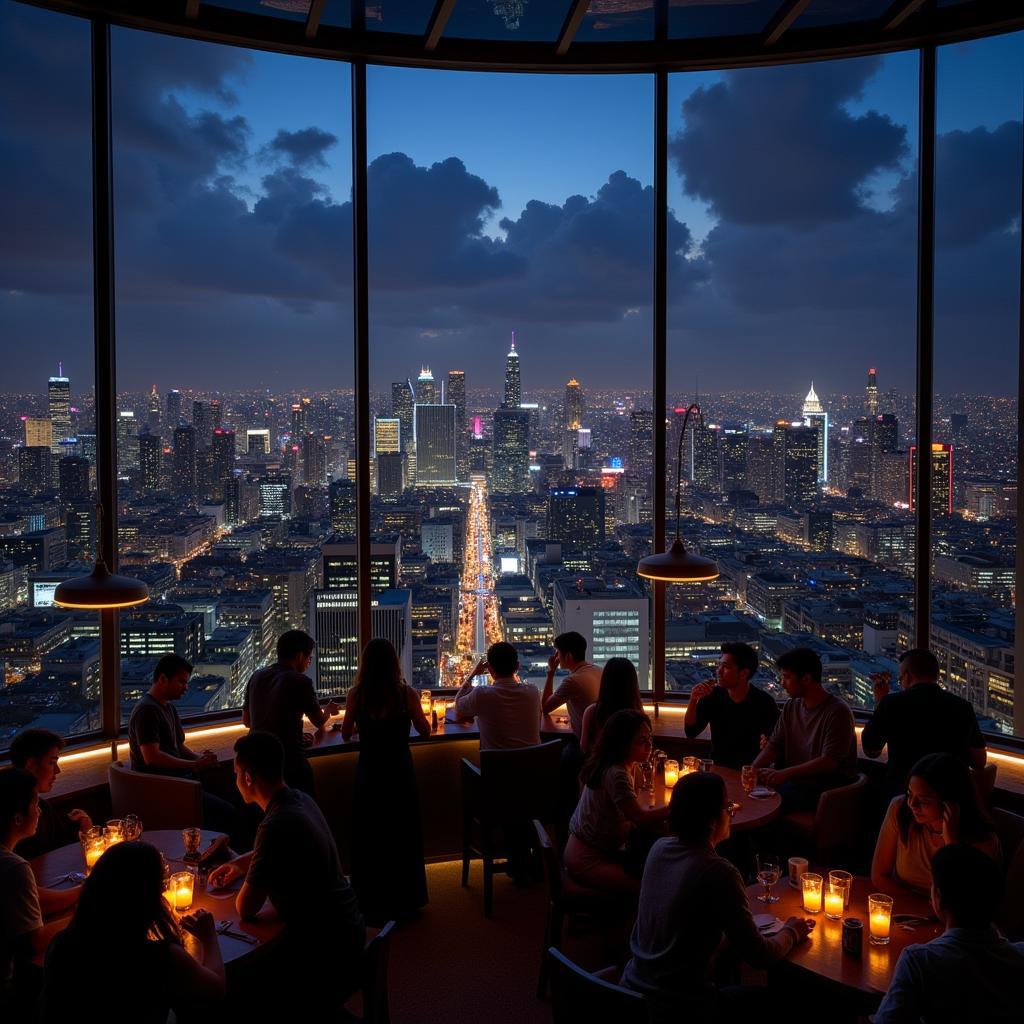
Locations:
(970, 972)
(579, 689)
(507, 711)
(813, 746)
(294, 864)
(939, 808)
(619, 690)
(278, 697)
(690, 899)
(922, 718)
(37, 751)
(156, 739)
(23, 933)
(741, 716)
(124, 943)
(608, 808)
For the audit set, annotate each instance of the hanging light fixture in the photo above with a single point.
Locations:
(677, 565)
(101, 588)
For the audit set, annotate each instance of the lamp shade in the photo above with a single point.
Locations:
(677, 565)
(100, 589)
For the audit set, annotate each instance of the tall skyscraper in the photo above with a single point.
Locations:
(511, 465)
(576, 517)
(153, 417)
(150, 458)
(426, 388)
(390, 474)
(704, 456)
(815, 416)
(456, 395)
(732, 456)
(761, 465)
(73, 472)
(796, 463)
(403, 399)
(257, 441)
(314, 459)
(223, 462)
(342, 498)
(38, 432)
(387, 434)
(202, 423)
(513, 383)
(641, 450)
(435, 444)
(35, 473)
(58, 393)
(871, 393)
(184, 473)
(299, 420)
(861, 443)
(942, 479)
(573, 420)
(173, 407)
(127, 442)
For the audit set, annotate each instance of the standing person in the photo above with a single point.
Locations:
(277, 698)
(294, 864)
(940, 808)
(740, 715)
(507, 711)
(619, 690)
(124, 943)
(970, 972)
(608, 809)
(690, 899)
(37, 751)
(922, 718)
(579, 689)
(387, 834)
(813, 745)
(156, 739)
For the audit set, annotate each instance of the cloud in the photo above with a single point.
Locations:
(303, 148)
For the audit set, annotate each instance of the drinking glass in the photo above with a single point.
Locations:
(671, 773)
(131, 827)
(114, 832)
(183, 887)
(843, 880)
(646, 773)
(748, 777)
(811, 883)
(690, 764)
(767, 875)
(879, 918)
(191, 839)
(706, 764)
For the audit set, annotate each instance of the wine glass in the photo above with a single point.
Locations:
(191, 838)
(767, 875)
(131, 827)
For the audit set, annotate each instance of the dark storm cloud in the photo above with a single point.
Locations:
(304, 148)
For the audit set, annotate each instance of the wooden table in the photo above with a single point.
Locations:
(752, 813)
(862, 980)
(51, 867)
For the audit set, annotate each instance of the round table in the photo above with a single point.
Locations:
(51, 870)
(752, 813)
(860, 980)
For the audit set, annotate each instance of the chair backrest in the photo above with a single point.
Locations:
(984, 782)
(837, 820)
(577, 996)
(161, 801)
(552, 861)
(521, 784)
(376, 1008)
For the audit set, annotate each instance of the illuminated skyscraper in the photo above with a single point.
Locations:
(815, 416)
(153, 418)
(573, 418)
(795, 451)
(38, 432)
(202, 423)
(34, 468)
(403, 399)
(456, 395)
(173, 407)
(314, 459)
(435, 444)
(58, 395)
(511, 465)
(150, 457)
(299, 421)
(871, 393)
(184, 466)
(513, 383)
(223, 461)
(390, 474)
(257, 441)
(732, 458)
(73, 473)
(127, 442)
(387, 434)
(641, 450)
(704, 470)
(426, 388)
(942, 479)
(342, 498)
(576, 517)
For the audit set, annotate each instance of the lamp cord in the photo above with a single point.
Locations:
(693, 407)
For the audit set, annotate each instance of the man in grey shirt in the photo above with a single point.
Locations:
(813, 746)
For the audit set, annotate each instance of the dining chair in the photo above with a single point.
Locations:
(161, 801)
(577, 995)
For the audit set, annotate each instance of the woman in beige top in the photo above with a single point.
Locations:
(939, 808)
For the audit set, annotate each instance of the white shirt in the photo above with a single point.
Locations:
(507, 713)
(578, 691)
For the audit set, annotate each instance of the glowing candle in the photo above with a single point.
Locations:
(690, 764)
(812, 892)
(879, 918)
(834, 904)
(182, 884)
(93, 852)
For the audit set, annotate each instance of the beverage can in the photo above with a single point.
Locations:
(853, 936)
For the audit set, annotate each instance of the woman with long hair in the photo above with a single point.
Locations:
(387, 835)
(608, 809)
(939, 808)
(619, 691)
(124, 943)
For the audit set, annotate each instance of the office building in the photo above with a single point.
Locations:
(202, 423)
(275, 495)
(871, 394)
(390, 476)
(511, 458)
(35, 468)
(704, 470)
(641, 450)
(403, 401)
(73, 474)
(342, 499)
(426, 388)
(814, 415)
(314, 460)
(435, 444)
(58, 402)
(338, 566)
(795, 457)
(173, 407)
(437, 540)
(942, 479)
(184, 464)
(513, 382)
(38, 432)
(257, 442)
(127, 442)
(576, 517)
(572, 419)
(732, 455)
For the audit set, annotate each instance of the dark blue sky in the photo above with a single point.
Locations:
(503, 202)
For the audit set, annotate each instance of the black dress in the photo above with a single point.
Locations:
(387, 834)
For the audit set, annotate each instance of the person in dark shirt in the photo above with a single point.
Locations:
(921, 718)
(279, 696)
(294, 864)
(156, 740)
(740, 715)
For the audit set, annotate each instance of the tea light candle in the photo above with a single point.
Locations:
(812, 892)
(671, 773)
(879, 918)
(834, 904)
(182, 884)
(93, 852)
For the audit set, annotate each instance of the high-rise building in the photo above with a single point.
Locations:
(151, 451)
(732, 456)
(338, 569)
(942, 479)
(871, 393)
(223, 460)
(573, 420)
(275, 495)
(435, 444)
(513, 382)
(387, 434)
(127, 442)
(35, 468)
(456, 395)
(576, 517)
(314, 460)
(795, 456)
(390, 475)
(511, 460)
(761, 465)
(342, 498)
(202, 423)
(153, 416)
(704, 470)
(403, 399)
(73, 473)
(173, 407)
(815, 416)
(426, 388)
(257, 441)
(241, 500)
(184, 471)
(884, 441)
(58, 393)
(38, 432)
(216, 413)
(861, 444)
(641, 450)
(300, 419)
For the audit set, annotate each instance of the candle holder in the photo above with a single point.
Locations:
(842, 880)
(834, 901)
(94, 844)
(690, 764)
(114, 832)
(182, 889)
(671, 773)
(748, 777)
(879, 918)
(425, 701)
(812, 892)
